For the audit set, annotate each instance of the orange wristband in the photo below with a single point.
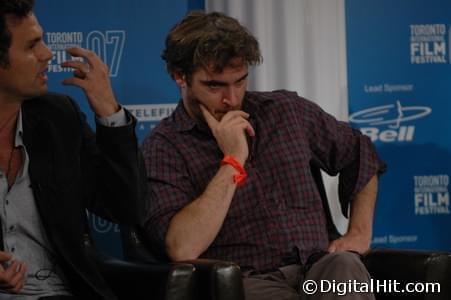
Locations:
(240, 178)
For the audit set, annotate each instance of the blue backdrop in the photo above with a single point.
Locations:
(399, 75)
(129, 37)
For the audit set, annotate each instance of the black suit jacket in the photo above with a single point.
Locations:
(72, 170)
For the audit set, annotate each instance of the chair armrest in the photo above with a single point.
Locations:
(220, 280)
(131, 280)
(407, 266)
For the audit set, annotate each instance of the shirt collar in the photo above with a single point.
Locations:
(18, 141)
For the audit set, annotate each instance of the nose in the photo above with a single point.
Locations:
(230, 96)
(45, 53)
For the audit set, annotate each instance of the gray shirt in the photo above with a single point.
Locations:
(23, 233)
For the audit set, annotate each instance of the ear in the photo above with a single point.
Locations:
(180, 79)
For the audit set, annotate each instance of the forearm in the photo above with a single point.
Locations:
(362, 210)
(193, 229)
(114, 173)
(358, 236)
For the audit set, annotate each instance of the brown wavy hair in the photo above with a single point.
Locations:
(210, 40)
(15, 8)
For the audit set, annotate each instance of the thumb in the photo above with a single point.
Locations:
(332, 247)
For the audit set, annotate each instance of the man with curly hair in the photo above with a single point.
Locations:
(53, 167)
(230, 171)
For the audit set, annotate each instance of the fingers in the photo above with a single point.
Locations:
(92, 75)
(13, 278)
(91, 58)
(241, 123)
(234, 114)
(5, 256)
(90, 66)
(75, 81)
(228, 117)
(18, 279)
(249, 129)
(81, 69)
(348, 244)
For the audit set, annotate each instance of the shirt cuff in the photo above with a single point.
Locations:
(115, 120)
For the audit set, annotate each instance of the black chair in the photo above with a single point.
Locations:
(138, 280)
(211, 280)
(408, 266)
(130, 280)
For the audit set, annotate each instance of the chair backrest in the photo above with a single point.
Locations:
(135, 248)
(411, 266)
(331, 228)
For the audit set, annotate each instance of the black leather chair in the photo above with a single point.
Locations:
(137, 280)
(130, 280)
(211, 279)
(408, 266)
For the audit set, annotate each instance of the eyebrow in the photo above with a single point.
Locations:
(222, 83)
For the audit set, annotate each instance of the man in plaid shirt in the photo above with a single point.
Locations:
(230, 170)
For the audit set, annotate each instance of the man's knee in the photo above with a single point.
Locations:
(340, 265)
(343, 259)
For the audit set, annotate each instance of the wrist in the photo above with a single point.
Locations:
(239, 158)
(106, 112)
(240, 173)
(361, 232)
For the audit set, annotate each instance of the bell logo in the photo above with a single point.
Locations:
(403, 134)
(392, 115)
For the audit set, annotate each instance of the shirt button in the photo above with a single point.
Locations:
(11, 228)
(13, 249)
(7, 202)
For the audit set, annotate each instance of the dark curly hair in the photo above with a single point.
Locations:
(15, 8)
(211, 40)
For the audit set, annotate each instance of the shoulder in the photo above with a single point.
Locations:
(161, 135)
(276, 95)
(282, 101)
(57, 110)
(50, 104)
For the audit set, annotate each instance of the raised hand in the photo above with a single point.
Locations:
(92, 76)
(230, 132)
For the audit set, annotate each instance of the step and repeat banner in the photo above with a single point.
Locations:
(129, 37)
(399, 78)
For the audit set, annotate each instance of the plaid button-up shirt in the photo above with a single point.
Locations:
(279, 209)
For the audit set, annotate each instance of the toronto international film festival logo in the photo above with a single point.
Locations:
(109, 46)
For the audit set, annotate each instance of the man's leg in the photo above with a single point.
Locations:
(281, 284)
(341, 267)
